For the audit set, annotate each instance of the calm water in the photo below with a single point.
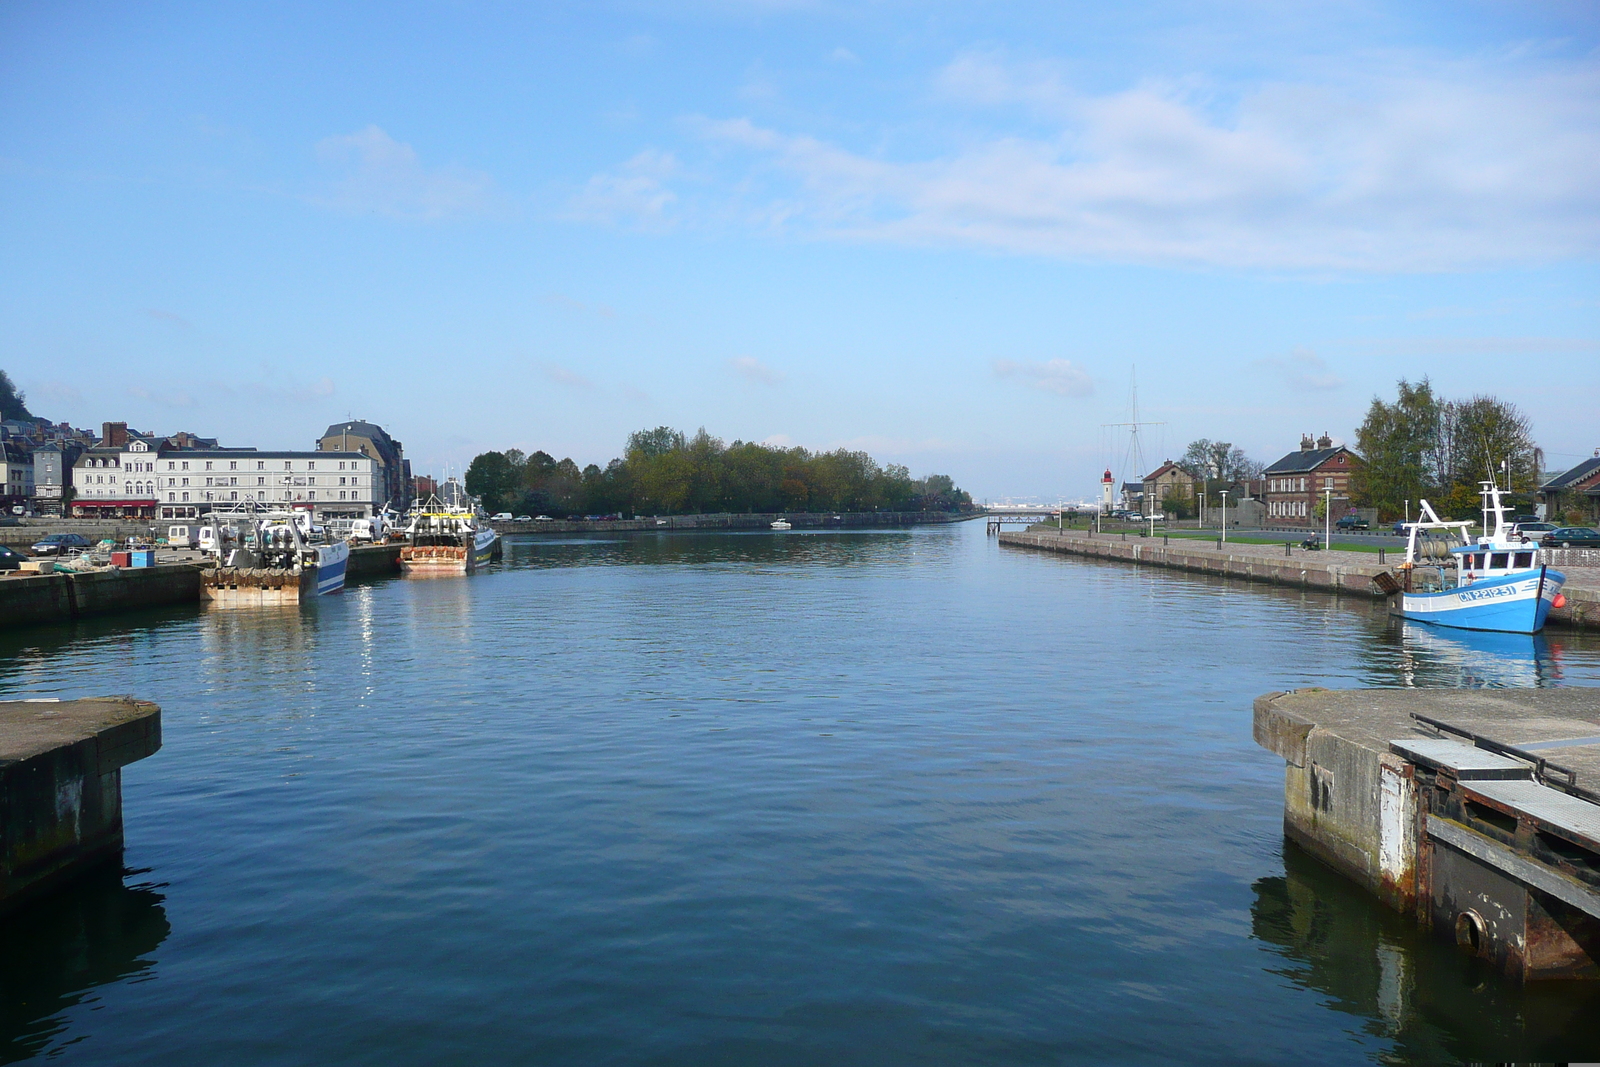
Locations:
(897, 797)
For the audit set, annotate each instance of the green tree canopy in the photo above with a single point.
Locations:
(13, 404)
(662, 471)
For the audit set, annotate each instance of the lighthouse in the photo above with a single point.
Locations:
(1106, 482)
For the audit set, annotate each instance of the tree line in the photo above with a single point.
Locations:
(663, 472)
(1421, 445)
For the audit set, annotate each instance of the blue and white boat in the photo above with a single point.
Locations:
(1492, 582)
(281, 561)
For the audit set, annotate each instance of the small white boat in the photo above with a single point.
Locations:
(1492, 583)
(783, 524)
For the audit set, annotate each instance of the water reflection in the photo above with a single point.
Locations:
(831, 548)
(1435, 658)
(56, 951)
(1433, 1001)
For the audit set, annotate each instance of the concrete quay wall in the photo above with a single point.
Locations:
(44, 598)
(1329, 571)
(1463, 828)
(61, 786)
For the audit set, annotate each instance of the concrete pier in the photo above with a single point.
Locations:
(28, 599)
(1475, 811)
(61, 785)
(1344, 573)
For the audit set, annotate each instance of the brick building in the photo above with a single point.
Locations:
(1575, 490)
(1293, 485)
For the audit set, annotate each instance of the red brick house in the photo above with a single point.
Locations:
(1575, 490)
(1293, 485)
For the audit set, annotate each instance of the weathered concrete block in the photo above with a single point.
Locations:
(61, 785)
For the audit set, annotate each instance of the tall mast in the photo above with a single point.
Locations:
(1133, 468)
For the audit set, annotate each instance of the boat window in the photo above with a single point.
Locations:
(1499, 560)
(1524, 559)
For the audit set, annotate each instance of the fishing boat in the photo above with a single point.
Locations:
(269, 557)
(1492, 582)
(783, 524)
(445, 539)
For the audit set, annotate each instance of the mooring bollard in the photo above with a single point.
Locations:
(1165, 540)
(1286, 551)
(1380, 555)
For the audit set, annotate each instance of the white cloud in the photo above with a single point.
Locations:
(752, 369)
(1059, 376)
(1302, 370)
(378, 175)
(635, 195)
(1408, 166)
(562, 376)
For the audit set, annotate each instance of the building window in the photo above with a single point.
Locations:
(288, 465)
(185, 467)
(311, 495)
(261, 464)
(311, 481)
(261, 481)
(233, 496)
(233, 464)
(186, 498)
(208, 464)
(341, 494)
(186, 482)
(233, 481)
(171, 466)
(311, 465)
(341, 464)
(172, 496)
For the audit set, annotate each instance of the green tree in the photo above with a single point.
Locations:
(1400, 451)
(492, 477)
(13, 404)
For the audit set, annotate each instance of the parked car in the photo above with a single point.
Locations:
(1533, 528)
(58, 544)
(1571, 537)
(524, 518)
(10, 558)
(1399, 528)
(542, 518)
(1352, 522)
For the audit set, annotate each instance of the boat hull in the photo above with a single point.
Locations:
(1516, 603)
(332, 564)
(426, 560)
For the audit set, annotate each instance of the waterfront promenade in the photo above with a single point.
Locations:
(1345, 573)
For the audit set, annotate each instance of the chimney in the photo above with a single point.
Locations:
(1306, 444)
(1324, 441)
(113, 434)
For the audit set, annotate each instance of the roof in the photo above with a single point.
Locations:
(1301, 462)
(251, 453)
(1570, 479)
(1165, 468)
(357, 428)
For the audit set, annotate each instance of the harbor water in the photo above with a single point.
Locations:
(849, 797)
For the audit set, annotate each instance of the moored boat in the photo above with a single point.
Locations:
(783, 524)
(269, 558)
(1493, 582)
(447, 540)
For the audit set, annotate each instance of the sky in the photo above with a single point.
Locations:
(954, 235)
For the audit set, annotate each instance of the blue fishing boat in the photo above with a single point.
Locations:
(1491, 582)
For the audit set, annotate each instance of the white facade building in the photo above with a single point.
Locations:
(337, 485)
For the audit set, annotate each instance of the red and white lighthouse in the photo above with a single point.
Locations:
(1106, 498)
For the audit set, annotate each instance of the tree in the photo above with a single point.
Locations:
(492, 477)
(1400, 450)
(1207, 461)
(13, 404)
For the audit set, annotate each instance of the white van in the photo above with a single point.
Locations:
(182, 537)
(504, 516)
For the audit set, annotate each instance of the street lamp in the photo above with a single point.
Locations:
(1224, 493)
(1327, 516)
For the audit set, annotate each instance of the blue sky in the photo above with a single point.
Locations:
(945, 233)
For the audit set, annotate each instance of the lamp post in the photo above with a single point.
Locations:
(1202, 522)
(1224, 494)
(1327, 516)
